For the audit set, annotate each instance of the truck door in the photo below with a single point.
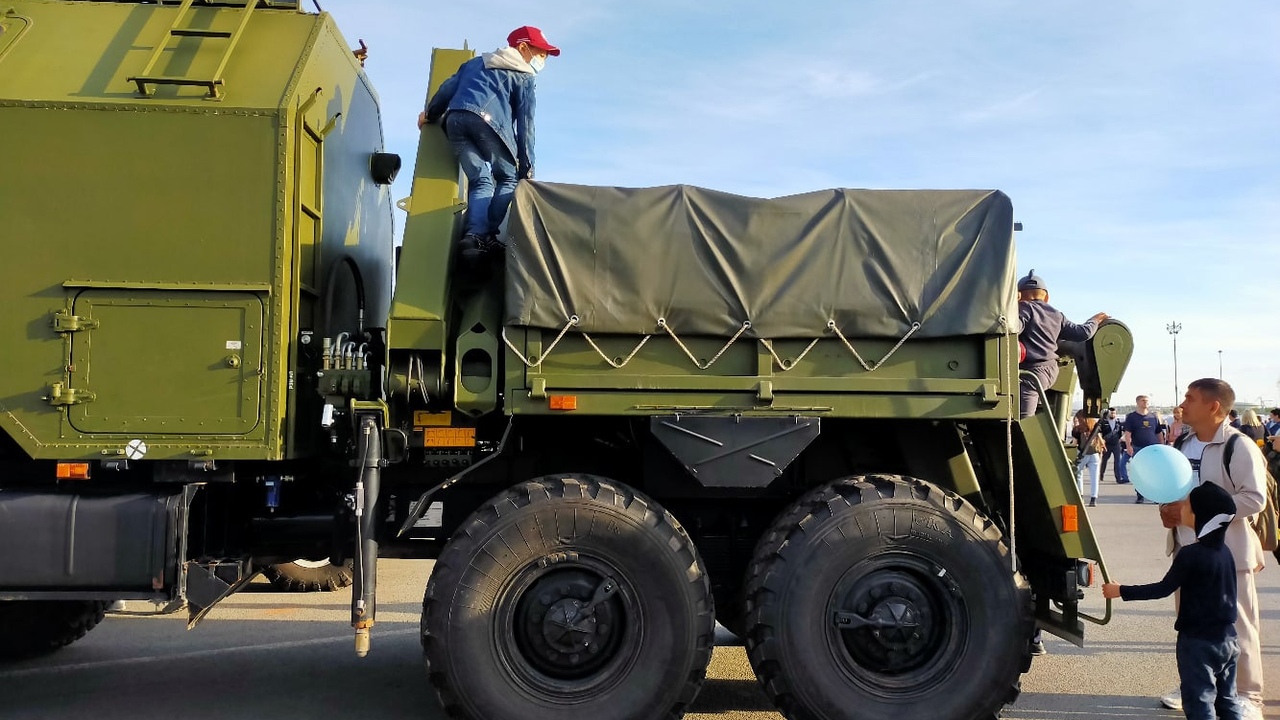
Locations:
(160, 362)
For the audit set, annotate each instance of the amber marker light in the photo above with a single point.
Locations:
(563, 402)
(73, 471)
(1070, 518)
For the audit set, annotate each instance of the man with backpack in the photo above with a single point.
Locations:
(1219, 454)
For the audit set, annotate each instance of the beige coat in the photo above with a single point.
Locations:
(1247, 485)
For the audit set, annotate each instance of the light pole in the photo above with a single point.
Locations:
(1174, 328)
(1219, 363)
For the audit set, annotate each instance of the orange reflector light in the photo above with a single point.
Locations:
(73, 471)
(563, 402)
(1070, 518)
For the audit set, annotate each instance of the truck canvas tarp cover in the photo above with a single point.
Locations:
(873, 261)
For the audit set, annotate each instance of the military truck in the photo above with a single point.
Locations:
(665, 407)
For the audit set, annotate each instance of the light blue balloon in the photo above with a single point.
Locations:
(1161, 473)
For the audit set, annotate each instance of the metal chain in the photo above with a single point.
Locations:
(662, 323)
(782, 363)
(831, 325)
(606, 358)
(573, 320)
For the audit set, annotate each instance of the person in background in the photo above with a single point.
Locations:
(1235, 419)
(1090, 446)
(1111, 433)
(1042, 327)
(1176, 428)
(1251, 426)
(1273, 422)
(1204, 575)
(1141, 428)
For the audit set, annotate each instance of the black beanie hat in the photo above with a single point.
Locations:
(1209, 501)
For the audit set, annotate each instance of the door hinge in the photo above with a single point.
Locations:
(60, 395)
(65, 322)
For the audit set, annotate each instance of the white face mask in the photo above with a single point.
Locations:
(537, 63)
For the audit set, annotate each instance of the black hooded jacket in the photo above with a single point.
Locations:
(1205, 572)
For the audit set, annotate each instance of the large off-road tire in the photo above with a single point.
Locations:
(884, 597)
(30, 628)
(503, 629)
(309, 575)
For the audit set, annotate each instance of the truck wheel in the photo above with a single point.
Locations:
(886, 594)
(509, 628)
(309, 575)
(29, 628)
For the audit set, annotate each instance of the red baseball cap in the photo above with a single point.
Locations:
(533, 36)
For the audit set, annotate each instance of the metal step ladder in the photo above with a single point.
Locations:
(177, 30)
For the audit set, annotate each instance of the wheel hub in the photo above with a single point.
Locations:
(565, 629)
(566, 626)
(888, 622)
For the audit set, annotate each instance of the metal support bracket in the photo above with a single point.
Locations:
(60, 395)
(64, 322)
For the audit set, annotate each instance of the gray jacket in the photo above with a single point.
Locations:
(1247, 485)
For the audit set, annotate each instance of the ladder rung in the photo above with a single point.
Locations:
(187, 32)
(175, 81)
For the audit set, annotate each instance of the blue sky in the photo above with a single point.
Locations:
(1139, 141)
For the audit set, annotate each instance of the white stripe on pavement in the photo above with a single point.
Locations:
(190, 655)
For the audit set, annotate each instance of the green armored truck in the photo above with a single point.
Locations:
(665, 407)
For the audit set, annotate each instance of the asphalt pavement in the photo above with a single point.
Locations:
(263, 654)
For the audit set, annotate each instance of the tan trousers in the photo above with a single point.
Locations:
(1249, 667)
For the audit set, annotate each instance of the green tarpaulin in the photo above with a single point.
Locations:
(873, 261)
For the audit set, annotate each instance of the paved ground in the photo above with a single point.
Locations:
(289, 657)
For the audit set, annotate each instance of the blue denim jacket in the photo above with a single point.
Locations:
(503, 97)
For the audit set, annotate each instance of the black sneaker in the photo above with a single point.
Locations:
(1138, 500)
(1093, 502)
(1038, 649)
(490, 244)
(469, 247)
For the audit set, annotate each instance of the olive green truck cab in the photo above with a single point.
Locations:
(662, 408)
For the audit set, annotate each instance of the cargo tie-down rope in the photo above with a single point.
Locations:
(663, 325)
(1009, 336)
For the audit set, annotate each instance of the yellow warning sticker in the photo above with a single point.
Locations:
(432, 419)
(449, 437)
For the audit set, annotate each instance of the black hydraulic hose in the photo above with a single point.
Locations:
(328, 295)
(363, 600)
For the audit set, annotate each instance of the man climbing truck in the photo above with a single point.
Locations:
(675, 406)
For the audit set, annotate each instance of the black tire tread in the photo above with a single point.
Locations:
(290, 577)
(828, 501)
(33, 628)
(576, 486)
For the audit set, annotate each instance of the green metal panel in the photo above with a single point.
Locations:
(827, 377)
(82, 51)
(205, 376)
(423, 299)
(173, 194)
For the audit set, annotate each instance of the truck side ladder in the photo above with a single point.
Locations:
(177, 30)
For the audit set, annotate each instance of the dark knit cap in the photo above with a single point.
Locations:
(1208, 501)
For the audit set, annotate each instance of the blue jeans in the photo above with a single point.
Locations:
(489, 167)
(1122, 467)
(1089, 463)
(1028, 395)
(1207, 671)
